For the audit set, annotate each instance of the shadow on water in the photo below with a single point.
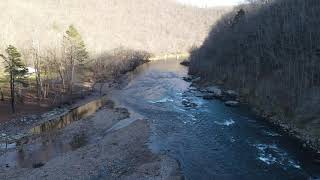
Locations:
(42, 150)
(78, 141)
(34, 150)
(74, 114)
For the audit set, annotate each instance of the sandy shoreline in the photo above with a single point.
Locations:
(110, 144)
(105, 154)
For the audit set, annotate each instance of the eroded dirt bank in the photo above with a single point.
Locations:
(99, 147)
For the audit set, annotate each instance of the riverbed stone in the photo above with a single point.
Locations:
(188, 79)
(187, 103)
(209, 96)
(197, 79)
(216, 91)
(232, 103)
(185, 63)
(231, 93)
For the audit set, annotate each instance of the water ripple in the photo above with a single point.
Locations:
(225, 123)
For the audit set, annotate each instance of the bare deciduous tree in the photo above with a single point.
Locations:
(270, 50)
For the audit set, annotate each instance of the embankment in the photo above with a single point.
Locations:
(268, 52)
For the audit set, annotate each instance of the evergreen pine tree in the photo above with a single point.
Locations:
(16, 70)
(76, 53)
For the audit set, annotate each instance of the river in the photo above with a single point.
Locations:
(210, 140)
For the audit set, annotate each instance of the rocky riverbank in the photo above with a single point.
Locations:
(91, 139)
(103, 146)
(20, 127)
(233, 98)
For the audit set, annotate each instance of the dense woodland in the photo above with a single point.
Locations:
(54, 52)
(155, 26)
(64, 74)
(269, 51)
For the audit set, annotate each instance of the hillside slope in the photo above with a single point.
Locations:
(269, 51)
(152, 25)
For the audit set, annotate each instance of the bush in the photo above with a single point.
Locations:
(112, 64)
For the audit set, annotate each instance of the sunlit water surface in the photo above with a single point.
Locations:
(210, 140)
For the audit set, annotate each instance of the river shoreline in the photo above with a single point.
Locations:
(310, 144)
(19, 127)
(99, 152)
(209, 139)
(105, 148)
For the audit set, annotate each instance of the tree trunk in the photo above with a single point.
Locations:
(72, 61)
(72, 78)
(62, 79)
(12, 89)
(38, 79)
(2, 96)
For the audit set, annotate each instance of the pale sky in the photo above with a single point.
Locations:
(210, 3)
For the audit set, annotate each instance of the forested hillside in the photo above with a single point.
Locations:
(68, 47)
(152, 25)
(269, 51)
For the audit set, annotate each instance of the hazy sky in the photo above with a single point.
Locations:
(210, 3)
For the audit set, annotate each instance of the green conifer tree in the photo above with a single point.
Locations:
(76, 53)
(16, 70)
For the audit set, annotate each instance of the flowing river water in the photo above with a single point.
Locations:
(209, 139)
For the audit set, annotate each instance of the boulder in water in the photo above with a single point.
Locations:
(196, 79)
(232, 93)
(209, 96)
(232, 103)
(217, 92)
(187, 103)
(185, 63)
(38, 165)
(188, 79)
(316, 158)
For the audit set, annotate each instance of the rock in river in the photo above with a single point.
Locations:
(196, 79)
(232, 103)
(188, 79)
(185, 63)
(209, 96)
(232, 93)
(215, 91)
(187, 103)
